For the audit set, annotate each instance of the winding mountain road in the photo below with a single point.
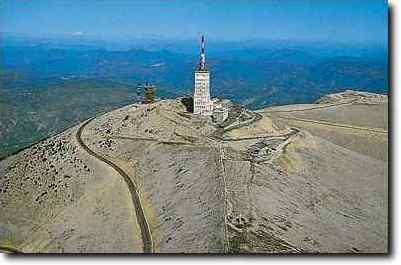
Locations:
(327, 123)
(323, 106)
(148, 246)
(332, 124)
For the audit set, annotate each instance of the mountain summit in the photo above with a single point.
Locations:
(153, 178)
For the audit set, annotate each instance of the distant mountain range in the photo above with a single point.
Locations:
(46, 86)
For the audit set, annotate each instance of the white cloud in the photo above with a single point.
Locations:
(78, 33)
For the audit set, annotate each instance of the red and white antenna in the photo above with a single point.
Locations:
(202, 63)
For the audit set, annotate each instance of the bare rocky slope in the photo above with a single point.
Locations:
(154, 178)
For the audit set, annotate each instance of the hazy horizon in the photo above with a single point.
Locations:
(353, 22)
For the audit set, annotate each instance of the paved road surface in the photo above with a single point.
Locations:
(143, 223)
(341, 125)
(311, 108)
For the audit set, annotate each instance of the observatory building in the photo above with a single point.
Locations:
(202, 103)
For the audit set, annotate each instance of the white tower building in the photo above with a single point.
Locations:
(202, 102)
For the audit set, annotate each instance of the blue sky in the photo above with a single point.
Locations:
(322, 20)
